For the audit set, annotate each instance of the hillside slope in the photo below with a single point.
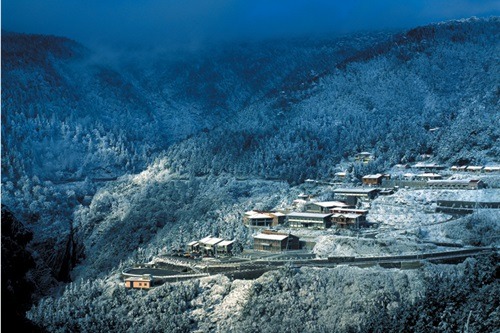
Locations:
(113, 163)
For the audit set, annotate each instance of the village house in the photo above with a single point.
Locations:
(364, 157)
(225, 247)
(275, 242)
(193, 247)
(341, 175)
(468, 184)
(343, 217)
(208, 245)
(309, 220)
(255, 218)
(352, 195)
(348, 219)
(139, 282)
(324, 206)
(375, 179)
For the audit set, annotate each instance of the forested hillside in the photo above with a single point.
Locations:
(110, 161)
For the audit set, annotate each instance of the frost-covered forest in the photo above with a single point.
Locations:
(109, 160)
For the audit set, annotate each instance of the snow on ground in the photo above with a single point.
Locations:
(483, 195)
(406, 208)
(481, 228)
(332, 245)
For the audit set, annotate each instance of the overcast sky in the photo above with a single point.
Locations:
(192, 22)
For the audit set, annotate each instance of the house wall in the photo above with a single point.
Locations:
(138, 284)
(274, 245)
(225, 249)
(372, 181)
(289, 243)
(261, 222)
(309, 222)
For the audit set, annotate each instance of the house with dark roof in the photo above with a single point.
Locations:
(275, 242)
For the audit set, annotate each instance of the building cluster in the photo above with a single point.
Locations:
(210, 246)
(318, 214)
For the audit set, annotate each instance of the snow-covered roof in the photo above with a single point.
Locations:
(251, 212)
(278, 214)
(453, 181)
(351, 210)
(428, 165)
(429, 175)
(225, 243)
(474, 167)
(355, 190)
(349, 215)
(211, 241)
(260, 216)
(270, 237)
(492, 168)
(192, 243)
(328, 204)
(375, 176)
(300, 214)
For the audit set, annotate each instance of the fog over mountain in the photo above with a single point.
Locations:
(110, 160)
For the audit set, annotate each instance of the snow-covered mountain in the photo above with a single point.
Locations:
(112, 160)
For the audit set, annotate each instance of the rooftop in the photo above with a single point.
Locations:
(145, 277)
(376, 176)
(349, 216)
(300, 214)
(355, 190)
(211, 240)
(328, 204)
(270, 237)
(260, 216)
(225, 243)
(352, 210)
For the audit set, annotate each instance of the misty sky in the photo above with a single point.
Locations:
(192, 22)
